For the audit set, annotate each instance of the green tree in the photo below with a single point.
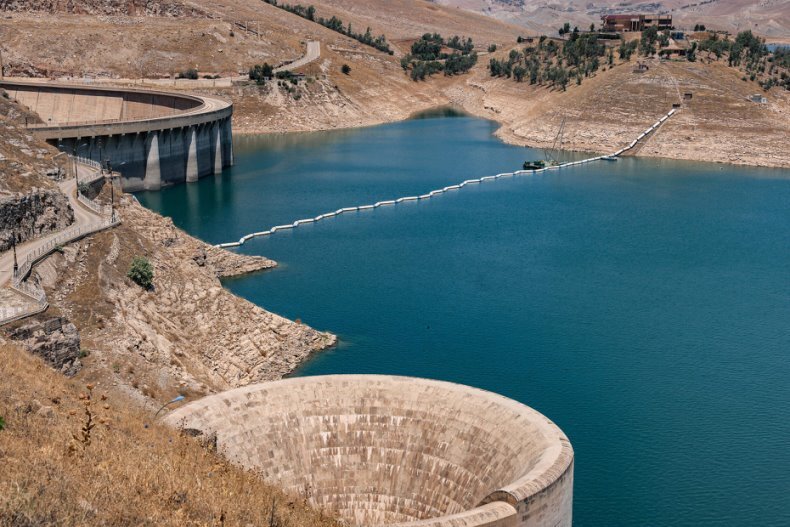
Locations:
(310, 13)
(692, 53)
(260, 72)
(141, 272)
(648, 40)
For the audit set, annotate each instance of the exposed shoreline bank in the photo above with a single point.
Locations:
(508, 135)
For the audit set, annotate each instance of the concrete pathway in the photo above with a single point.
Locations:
(313, 53)
(82, 216)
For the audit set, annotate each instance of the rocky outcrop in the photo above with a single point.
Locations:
(227, 264)
(32, 214)
(55, 340)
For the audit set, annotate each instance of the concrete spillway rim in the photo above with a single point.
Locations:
(552, 464)
(203, 103)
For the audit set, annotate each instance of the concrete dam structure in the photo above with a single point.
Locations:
(384, 450)
(153, 138)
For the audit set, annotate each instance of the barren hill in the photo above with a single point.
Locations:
(770, 18)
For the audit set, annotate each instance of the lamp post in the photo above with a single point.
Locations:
(76, 172)
(13, 246)
(112, 188)
(101, 157)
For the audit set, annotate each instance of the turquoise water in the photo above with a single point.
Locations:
(643, 305)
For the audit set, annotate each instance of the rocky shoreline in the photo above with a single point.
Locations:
(187, 334)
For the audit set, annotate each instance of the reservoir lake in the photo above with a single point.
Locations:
(643, 305)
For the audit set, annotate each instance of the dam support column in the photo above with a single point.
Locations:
(217, 137)
(153, 174)
(227, 143)
(192, 160)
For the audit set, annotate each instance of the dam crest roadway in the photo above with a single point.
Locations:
(152, 138)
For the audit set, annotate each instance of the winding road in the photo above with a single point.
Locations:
(313, 53)
(82, 216)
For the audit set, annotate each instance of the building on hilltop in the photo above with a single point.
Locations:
(623, 23)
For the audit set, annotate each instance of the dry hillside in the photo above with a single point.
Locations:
(81, 382)
(74, 454)
(602, 114)
(612, 107)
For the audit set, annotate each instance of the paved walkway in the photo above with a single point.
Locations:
(82, 216)
(313, 53)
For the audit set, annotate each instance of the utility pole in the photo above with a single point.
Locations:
(2, 67)
(101, 158)
(13, 246)
(112, 192)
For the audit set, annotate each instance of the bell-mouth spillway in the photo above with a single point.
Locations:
(153, 138)
(387, 450)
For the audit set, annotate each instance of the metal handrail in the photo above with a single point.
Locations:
(67, 236)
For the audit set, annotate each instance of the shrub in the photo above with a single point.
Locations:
(346, 69)
(259, 73)
(191, 74)
(2, 423)
(492, 47)
(141, 272)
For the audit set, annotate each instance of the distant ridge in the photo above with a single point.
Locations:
(769, 18)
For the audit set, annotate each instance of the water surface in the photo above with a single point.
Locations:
(643, 305)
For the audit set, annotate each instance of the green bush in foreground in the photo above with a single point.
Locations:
(2, 423)
(141, 272)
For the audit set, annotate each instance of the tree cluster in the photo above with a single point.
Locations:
(627, 49)
(261, 72)
(191, 74)
(552, 65)
(647, 43)
(748, 53)
(427, 56)
(566, 29)
(335, 24)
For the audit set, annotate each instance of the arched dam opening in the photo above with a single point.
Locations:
(152, 138)
(383, 450)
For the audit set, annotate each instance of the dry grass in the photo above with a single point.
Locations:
(124, 470)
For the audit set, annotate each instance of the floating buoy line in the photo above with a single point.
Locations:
(440, 191)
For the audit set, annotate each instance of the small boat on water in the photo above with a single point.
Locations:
(534, 165)
(609, 158)
(552, 153)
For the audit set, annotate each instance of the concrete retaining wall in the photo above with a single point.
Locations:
(382, 450)
(153, 138)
